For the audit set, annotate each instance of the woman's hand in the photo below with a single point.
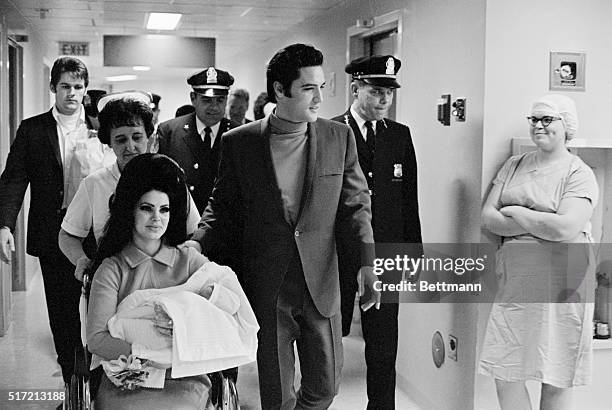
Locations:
(512, 210)
(494, 220)
(193, 244)
(162, 322)
(81, 267)
(207, 291)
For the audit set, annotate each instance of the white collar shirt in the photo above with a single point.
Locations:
(215, 129)
(361, 123)
(70, 129)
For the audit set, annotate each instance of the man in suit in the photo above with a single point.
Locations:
(387, 158)
(193, 140)
(155, 99)
(40, 157)
(283, 184)
(238, 105)
(153, 139)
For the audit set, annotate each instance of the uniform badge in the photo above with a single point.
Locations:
(346, 119)
(390, 66)
(186, 126)
(397, 170)
(211, 76)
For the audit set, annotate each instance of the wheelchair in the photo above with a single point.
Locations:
(84, 383)
(78, 396)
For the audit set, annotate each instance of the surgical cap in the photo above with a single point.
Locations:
(557, 105)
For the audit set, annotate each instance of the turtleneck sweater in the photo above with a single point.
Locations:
(288, 146)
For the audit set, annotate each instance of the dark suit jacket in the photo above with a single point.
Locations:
(35, 159)
(246, 204)
(392, 179)
(179, 139)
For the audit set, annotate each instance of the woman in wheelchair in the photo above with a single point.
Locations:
(140, 250)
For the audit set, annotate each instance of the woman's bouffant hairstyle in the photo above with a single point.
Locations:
(124, 112)
(144, 173)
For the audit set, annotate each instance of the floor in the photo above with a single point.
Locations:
(27, 361)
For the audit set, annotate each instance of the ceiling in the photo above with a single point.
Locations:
(237, 25)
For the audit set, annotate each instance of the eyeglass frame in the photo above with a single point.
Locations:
(545, 120)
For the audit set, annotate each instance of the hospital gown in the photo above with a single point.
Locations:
(527, 336)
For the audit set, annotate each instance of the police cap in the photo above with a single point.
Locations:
(375, 70)
(211, 82)
(155, 98)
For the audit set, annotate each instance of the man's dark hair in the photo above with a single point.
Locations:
(91, 101)
(124, 112)
(285, 66)
(184, 110)
(68, 65)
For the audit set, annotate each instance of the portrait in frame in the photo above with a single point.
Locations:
(567, 71)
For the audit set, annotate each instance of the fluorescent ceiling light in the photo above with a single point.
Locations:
(163, 21)
(141, 68)
(127, 77)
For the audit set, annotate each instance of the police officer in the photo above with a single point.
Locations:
(387, 158)
(156, 98)
(153, 139)
(193, 140)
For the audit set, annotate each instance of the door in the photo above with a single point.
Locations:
(15, 111)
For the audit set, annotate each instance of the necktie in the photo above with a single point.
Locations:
(207, 137)
(370, 137)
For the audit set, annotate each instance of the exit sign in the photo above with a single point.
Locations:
(71, 48)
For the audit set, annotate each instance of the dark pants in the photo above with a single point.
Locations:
(62, 292)
(380, 329)
(294, 318)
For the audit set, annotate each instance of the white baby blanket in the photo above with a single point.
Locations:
(208, 334)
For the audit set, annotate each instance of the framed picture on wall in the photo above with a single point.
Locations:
(567, 71)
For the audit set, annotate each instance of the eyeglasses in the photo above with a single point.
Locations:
(546, 121)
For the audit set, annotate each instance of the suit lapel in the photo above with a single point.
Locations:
(269, 173)
(362, 147)
(224, 127)
(51, 130)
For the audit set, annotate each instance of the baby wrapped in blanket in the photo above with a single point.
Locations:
(208, 334)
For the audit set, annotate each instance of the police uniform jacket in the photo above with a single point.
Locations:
(179, 139)
(391, 173)
(392, 180)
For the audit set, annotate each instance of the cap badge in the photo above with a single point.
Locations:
(390, 66)
(397, 170)
(211, 76)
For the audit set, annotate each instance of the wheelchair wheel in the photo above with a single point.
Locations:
(79, 394)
